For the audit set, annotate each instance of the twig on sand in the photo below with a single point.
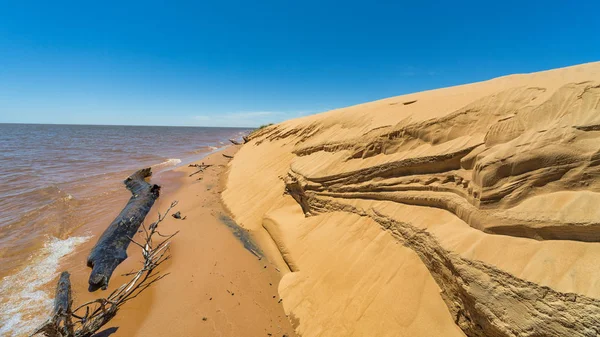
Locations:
(202, 168)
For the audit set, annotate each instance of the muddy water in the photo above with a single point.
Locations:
(60, 184)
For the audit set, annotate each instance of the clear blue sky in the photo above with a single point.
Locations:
(219, 63)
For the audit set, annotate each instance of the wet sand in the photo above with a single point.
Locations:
(219, 284)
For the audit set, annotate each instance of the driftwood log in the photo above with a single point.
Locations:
(60, 323)
(111, 248)
(235, 142)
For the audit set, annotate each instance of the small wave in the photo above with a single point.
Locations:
(29, 210)
(205, 149)
(169, 162)
(23, 303)
(47, 191)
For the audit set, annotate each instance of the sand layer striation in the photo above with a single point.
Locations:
(470, 210)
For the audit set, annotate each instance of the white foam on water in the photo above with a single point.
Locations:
(168, 162)
(172, 162)
(23, 303)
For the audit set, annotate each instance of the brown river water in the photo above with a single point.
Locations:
(61, 183)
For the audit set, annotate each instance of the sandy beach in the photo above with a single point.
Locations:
(464, 211)
(215, 286)
(299, 169)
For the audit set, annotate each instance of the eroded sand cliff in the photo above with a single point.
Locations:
(467, 210)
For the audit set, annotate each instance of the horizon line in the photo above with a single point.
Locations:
(167, 126)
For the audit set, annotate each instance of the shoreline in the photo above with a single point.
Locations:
(212, 275)
(57, 209)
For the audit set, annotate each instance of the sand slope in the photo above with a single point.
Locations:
(465, 210)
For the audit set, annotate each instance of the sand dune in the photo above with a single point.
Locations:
(470, 210)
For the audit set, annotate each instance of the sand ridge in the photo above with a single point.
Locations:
(498, 178)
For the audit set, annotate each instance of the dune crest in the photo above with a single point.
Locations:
(468, 210)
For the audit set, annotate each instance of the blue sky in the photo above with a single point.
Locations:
(234, 63)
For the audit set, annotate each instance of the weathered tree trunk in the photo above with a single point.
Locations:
(63, 301)
(60, 323)
(111, 248)
(235, 142)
